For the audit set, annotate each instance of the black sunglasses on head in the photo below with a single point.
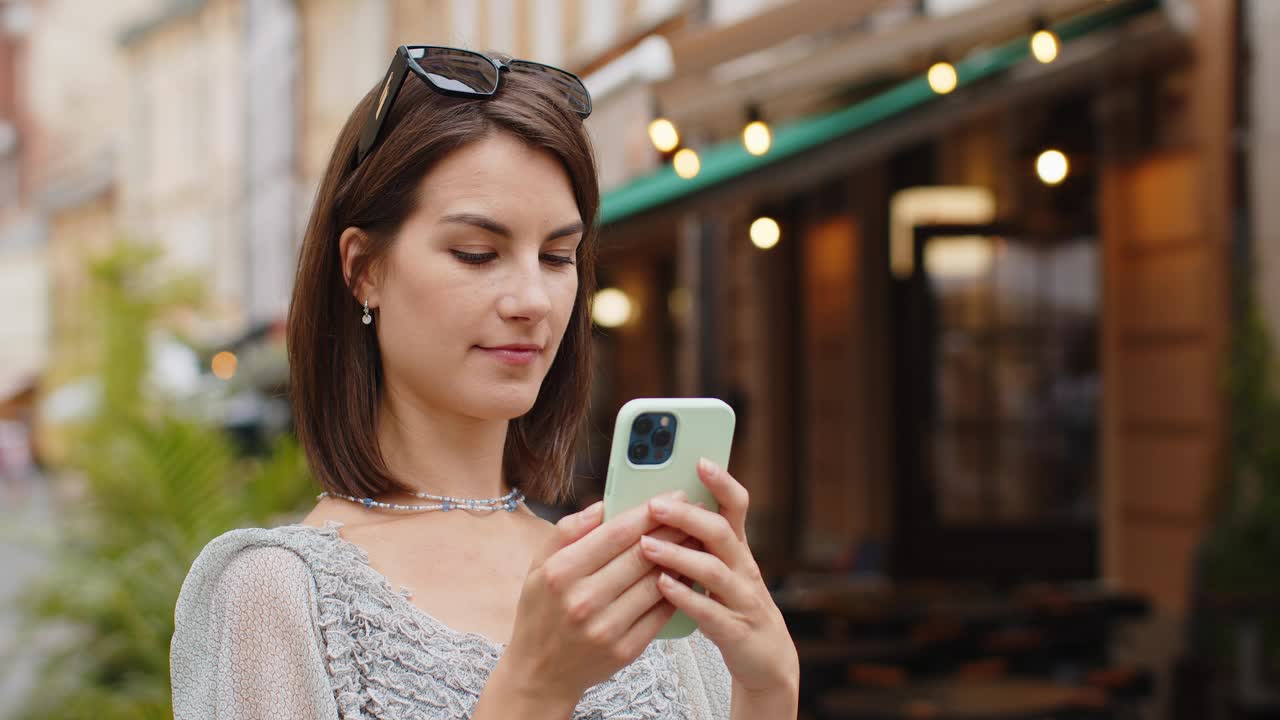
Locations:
(461, 73)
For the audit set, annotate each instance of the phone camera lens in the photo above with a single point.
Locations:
(662, 438)
(644, 425)
(639, 451)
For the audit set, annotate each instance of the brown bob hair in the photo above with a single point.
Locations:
(335, 367)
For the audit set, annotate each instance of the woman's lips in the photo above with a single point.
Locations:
(513, 354)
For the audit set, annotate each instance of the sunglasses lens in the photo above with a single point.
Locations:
(568, 85)
(457, 70)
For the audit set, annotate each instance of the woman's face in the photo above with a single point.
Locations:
(476, 290)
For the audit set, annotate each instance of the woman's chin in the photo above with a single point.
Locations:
(507, 404)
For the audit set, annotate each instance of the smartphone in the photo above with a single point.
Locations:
(657, 443)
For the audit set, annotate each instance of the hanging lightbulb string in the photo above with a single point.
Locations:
(756, 136)
(662, 132)
(1044, 43)
(686, 163)
(943, 77)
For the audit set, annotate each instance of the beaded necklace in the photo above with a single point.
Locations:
(446, 503)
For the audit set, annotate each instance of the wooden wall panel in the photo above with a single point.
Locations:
(760, 376)
(836, 499)
(1175, 382)
(1163, 372)
(1164, 202)
(1166, 218)
(1164, 477)
(1164, 293)
(1156, 559)
(1166, 225)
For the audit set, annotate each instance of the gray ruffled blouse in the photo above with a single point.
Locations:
(293, 622)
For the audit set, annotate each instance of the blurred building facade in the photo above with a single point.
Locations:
(24, 339)
(953, 363)
(211, 125)
(914, 389)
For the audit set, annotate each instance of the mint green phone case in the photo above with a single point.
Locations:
(704, 428)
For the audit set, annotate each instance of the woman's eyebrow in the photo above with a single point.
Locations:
(497, 228)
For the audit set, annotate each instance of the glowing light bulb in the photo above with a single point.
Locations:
(943, 78)
(756, 137)
(611, 308)
(765, 232)
(686, 163)
(1044, 46)
(1052, 167)
(663, 135)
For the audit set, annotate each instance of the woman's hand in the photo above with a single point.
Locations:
(739, 615)
(590, 605)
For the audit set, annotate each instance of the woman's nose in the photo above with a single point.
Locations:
(527, 298)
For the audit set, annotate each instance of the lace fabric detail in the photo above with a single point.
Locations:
(305, 598)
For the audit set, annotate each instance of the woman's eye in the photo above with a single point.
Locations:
(473, 258)
(557, 259)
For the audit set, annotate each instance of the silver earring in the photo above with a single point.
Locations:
(367, 319)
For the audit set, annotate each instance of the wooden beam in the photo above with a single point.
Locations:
(696, 51)
(700, 92)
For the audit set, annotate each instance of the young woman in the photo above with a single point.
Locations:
(439, 348)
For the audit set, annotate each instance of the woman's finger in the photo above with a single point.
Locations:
(707, 612)
(604, 587)
(729, 493)
(603, 542)
(628, 607)
(640, 634)
(712, 529)
(703, 568)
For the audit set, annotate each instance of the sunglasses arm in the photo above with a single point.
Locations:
(386, 97)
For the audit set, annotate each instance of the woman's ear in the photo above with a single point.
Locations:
(353, 244)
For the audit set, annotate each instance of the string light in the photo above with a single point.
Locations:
(765, 232)
(943, 77)
(686, 163)
(1044, 43)
(1052, 167)
(662, 132)
(663, 135)
(756, 137)
(611, 308)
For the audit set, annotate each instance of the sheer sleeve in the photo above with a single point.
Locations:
(246, 645)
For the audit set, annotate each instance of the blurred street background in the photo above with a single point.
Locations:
(991, 284)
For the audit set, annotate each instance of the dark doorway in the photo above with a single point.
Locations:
(998, 392)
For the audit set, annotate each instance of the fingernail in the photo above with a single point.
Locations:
(648, 544)
(593, 509)
(660, 506)
(708, 468)
(679, 496)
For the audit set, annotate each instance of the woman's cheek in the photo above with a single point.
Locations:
(564, 308)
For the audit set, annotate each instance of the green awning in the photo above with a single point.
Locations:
(728, 159)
